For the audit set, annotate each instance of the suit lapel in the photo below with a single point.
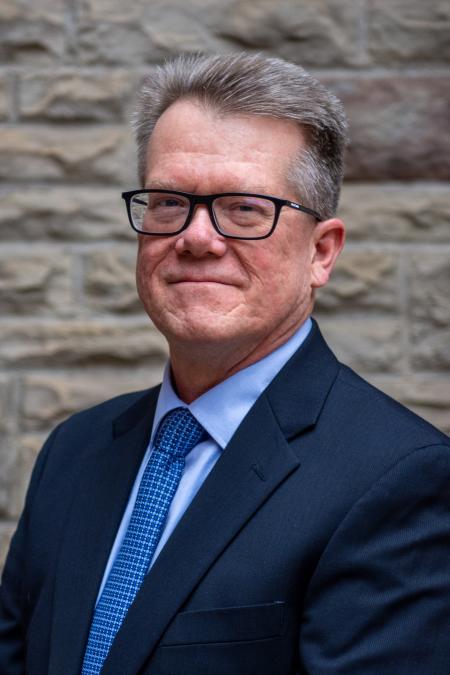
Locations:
(255, 463)
(104, 487)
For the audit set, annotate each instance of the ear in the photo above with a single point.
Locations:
(328, 240)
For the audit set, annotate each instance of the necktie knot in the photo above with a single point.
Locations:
(178, 433)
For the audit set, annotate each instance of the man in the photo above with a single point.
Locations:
(265, 511)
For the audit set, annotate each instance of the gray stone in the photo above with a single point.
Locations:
(391, 212)
(69, 213)
(83, 154)
(109, 280)
(316, 34)
(361, 280)
(35, 283)
(5, 102)
(48, 398)
(8, 404)
(398, 125)
(368, 344)
(32, 32)
(70, 96)
(60, 343)
(429, 283)
(405, 31)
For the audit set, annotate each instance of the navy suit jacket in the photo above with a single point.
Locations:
(319, 543)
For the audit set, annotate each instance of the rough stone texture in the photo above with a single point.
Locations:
(70, 96)
(50, 398)
(429, 283)
(418, 213)
(323, 33)
(401, 31)
(68, 213)
(55, 154)
(362, 280)
(110, 280)
(62, 343)
(35, 284)
(71, 329)
(366, 344)
(32, 32)
(399, 125)
(5, 88)
(6, 532)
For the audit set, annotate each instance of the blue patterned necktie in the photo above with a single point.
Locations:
(178, 433)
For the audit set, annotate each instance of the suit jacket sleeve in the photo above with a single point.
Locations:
(379, 600)
(13, 619)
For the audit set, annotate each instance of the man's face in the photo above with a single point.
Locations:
(200, 288)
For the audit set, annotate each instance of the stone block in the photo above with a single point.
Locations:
(32, 32)
(36, 283)
(6, 532)
(429, 284)
(398, 125)
(66, 213)
(75, 342)
(48, 398)
(71, 96)
(8, 404)
(109, 280)
(361, 280)
(82, 154)
(396, 213)
(405, 31)
(5, 102)
(367, 344)
(428, 395)
(316, 34)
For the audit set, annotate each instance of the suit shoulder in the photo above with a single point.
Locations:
(106, 411)
(382, 415)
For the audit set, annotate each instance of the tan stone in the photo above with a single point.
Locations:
(392, 212)
(8, 404)
(68, 95)
(63, 213)
(6, 533)
(109, 282)
(361, 279)
(50, 398)
(398, 125)
(409, 30)
(53, 343)
(35, 283)
(368, 344)
(84, 154)
(427, 395)
(429, 283)
(32, 32)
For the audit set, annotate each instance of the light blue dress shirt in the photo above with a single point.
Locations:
(220, 411)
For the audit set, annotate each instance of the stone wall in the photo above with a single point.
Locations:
(71, 329)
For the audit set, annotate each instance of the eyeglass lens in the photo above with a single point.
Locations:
(236, 215)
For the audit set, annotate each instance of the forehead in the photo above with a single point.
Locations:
(191, 141)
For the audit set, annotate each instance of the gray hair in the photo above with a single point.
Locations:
(243, 83)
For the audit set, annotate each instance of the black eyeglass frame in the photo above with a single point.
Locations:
(207, 200)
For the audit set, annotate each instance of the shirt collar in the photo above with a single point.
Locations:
(221, 409)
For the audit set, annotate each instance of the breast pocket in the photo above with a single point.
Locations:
(227, 624)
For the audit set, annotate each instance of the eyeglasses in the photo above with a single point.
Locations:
(238, 215)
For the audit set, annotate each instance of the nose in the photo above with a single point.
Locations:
(200, 238)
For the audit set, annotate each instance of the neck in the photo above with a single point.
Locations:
(198, 368)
